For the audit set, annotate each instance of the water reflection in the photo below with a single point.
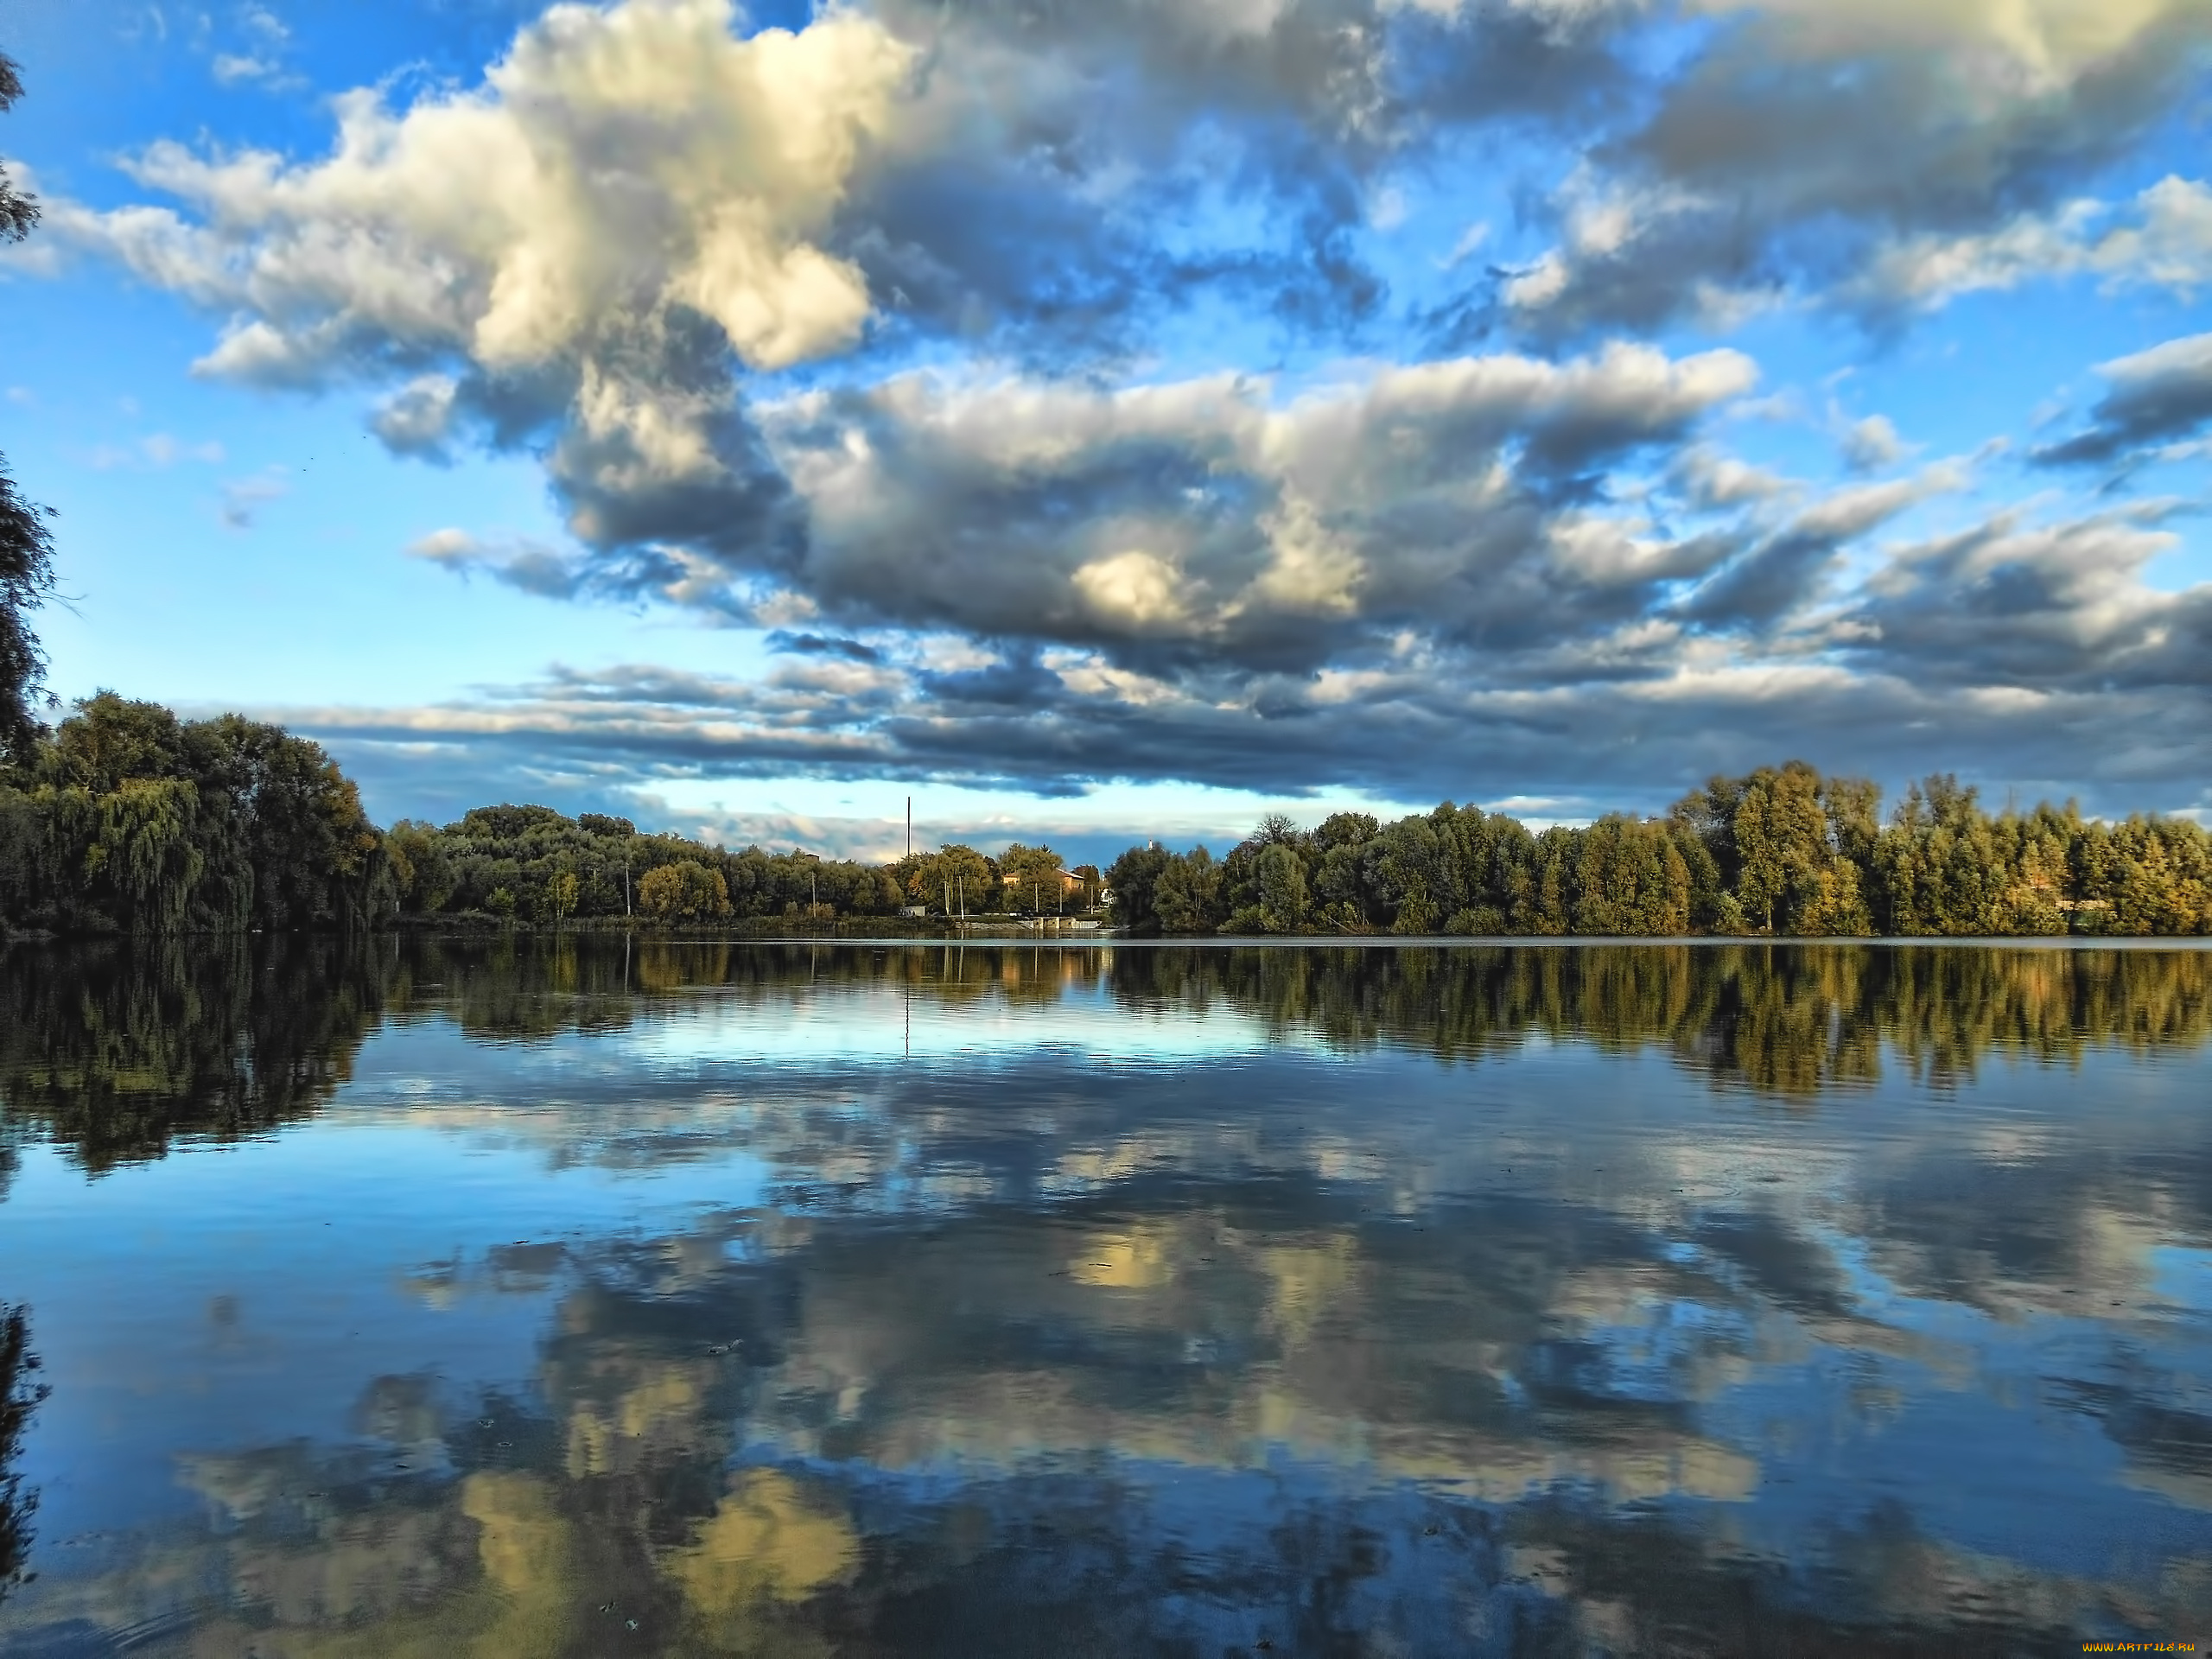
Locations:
(788, 1301)
(20, 1393)
(115, 1049)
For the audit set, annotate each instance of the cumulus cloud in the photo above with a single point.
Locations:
(1202, 519)
(2041, 609)
(1893, 154)
(2163, 239)
(930, 335)
(418, 419)
(533, 566)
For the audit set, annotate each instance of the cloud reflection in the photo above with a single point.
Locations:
(1531, 1300)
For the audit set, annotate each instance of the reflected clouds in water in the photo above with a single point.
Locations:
(1641, 1300)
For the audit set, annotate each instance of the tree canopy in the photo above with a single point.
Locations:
(126, 819)
(26, 542)
(1780, 851)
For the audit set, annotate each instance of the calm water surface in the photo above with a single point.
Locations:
(549, 1298)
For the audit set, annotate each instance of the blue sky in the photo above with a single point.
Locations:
(1122, 418)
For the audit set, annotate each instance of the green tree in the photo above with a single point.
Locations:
(686, 890)
(26, 544)
(1133, 880)
(1187, 894)
(1031, 876)
(1631, 879)
(561, 890)
(953, 880)
(1280, 875)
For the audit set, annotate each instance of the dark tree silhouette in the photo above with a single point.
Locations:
(19, 1397)
(26, 547)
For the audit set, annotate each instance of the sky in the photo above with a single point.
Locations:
(1098, 419)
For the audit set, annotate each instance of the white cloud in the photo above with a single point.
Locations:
(418, 419)
(1206, 509)
(1470, 243)
(615, 162)
(1871, 444)
(231, 69)
(520, 562)
(2054, 42)
(157, 449)
(163, 450)
(2161, 239)
(1713, 481)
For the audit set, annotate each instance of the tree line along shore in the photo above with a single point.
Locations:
(124, 819)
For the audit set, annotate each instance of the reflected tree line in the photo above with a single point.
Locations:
(20, 1395)
(114, 1050)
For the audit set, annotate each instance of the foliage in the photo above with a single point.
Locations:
(130, 820)
(954, 881)
(26, 545)
(686, 890)
(1031, 877)
(536, 865)
(1781, 852)
(26, 579)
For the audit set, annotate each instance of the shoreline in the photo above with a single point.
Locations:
(1106, 939)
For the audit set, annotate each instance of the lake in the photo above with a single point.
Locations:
(542, 1296)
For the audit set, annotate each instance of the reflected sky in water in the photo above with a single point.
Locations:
(536, 1297)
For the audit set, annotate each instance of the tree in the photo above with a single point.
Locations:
(1032, 874)
(1631, 879)
(686, 890)
(26, 579)
(562, 889)
(954, 879)
(26, 545)
(138, 822)
(1281, 876)
(18, 212)
(1187, 895)
(1133, 880)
